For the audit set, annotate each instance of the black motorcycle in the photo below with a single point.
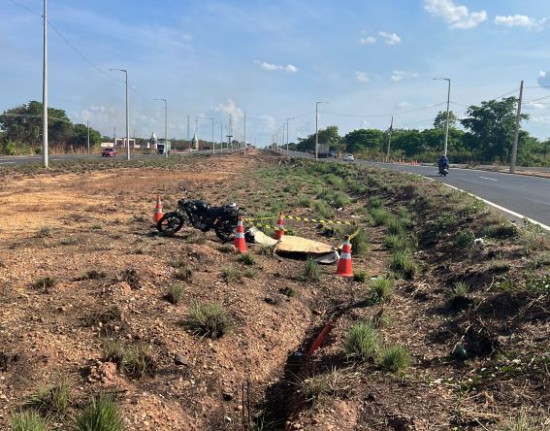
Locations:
(443, 170)
(201, 216)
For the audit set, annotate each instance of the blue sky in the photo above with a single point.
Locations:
(273, 60)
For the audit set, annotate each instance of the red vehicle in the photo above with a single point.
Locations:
(108, 152)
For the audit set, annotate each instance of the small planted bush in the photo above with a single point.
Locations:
(395, 358)
(362, 342)
(173, 293)
(44, 283)
(380, 216)
(247, 259)
(184, 273)
(226, 248)
(395, 226)
(359, 242)
(403, 264)
(395, 242)
(137, 361)
(459, 296)
(101, 415)
(208, 320)
(28, 420)
(380, 290)
(322, 210)
(501, 230)
(52, 401)
(360, 276)
(230, 275)
(311, 271)
(464, 238)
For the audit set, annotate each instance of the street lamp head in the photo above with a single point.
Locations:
(445, 79)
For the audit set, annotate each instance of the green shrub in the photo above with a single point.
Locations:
(322, 210)
(502, 230)
(362, 342)
(101, 415)
(45, 283)
(395, 358)
(208, 320)
(395, 226)
(52, 401)
(445, 222)
(380, 216)
(464, 238)
(247, 259)
(184, 273)
(359, 242)
(28, 420)
(226, 248)
(311, 271)
(137, 361)
(395, 242)
(337, 182)
(403, 264)
(360, 276)
(381, 290)
(533, 241)
(230, 275)
(174, 292)
(375, 202)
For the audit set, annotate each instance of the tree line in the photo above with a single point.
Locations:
(485, 137)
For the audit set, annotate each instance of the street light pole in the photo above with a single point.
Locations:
(287, 121)
(88, 135)
(45, 87)
(446, 122)
(317, 129)
(127, 123)
(165, 126)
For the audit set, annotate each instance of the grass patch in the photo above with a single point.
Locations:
(230, 275)
(402, 263)
(195, 238)
(289, 292)
(380, 216)
(184, 273)
(247, 259)
(137, 361)
(501, 230)
(322, 210)
(173, 293)
(464, 238)
(250, 273)
(208, 320)
(362, 342)
(266, 250)
(101, 415)
(28, 420)
(395, 358)
(93, 274)
(360, 276)
(52, 401)
(321, 388)
(360, 242)
(226, 248)
(380, 290)
(311, 271)
(44, 283)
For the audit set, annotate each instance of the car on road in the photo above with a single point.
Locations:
(349, 158)
(108, 152)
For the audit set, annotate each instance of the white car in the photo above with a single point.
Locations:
(348, 158)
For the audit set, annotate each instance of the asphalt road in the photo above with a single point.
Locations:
(527, 196)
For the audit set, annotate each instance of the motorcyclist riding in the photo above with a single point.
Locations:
(443, 163)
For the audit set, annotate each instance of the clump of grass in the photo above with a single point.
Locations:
(395, 358)
(230, 275)
(184, 273)
(173, 293)
(501, 230)
(403, 264)
(45, 232)
(380, 290)
(359, 242)
(395, 242)
(380, 216)
(289, 292)
(360, 276)
(208, 320)
(93, 274)
(44, 283)
(323, 210)
(113, 351)
(311, 271)
(395, 226)
(362, 342)
(52, 401)
(96, 317)
(101, 415)
(177, 263)
(139, 218)
(522, 422)
(445, 221)
(464, 238)
(250, 273)
(319, 389)
(532, 240)
(137, 361)
(266, 250)
(226, 248)
(304, 201)
(247, 259)
(28, 420)
(195, 238)
(375, 202)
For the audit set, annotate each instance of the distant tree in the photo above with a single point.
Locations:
(364, 139)
(327, 136)
(440, 121)
(491, 126)
(79, 136)
(410, 142)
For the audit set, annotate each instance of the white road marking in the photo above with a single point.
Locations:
(5, 163)
(488, 179)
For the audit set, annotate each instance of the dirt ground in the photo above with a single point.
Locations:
(65, 226)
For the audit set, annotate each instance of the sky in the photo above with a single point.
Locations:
(272, 61)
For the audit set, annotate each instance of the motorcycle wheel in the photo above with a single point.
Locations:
(170, 223)
(225, 231)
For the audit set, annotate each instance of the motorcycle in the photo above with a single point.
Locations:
(443, 170)
(200, 215)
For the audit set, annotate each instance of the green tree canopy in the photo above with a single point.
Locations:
(365, 139)
(440, 121)
(328, 136)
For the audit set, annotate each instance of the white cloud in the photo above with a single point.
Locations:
(534, 106)
(230, 108)
(544, 79)
(362, 77)
(270, 67)
(399, 75)
(402, 105)
(390, 38)
(269, 122)
(458, 16)
(368, 40)
(519, 21)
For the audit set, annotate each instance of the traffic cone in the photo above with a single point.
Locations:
(344, 268)
(280, 227)
(158, 210)
(239, 241)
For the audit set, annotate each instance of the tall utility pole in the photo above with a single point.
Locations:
(45, 87)
(127, 123)
(88, 135)
(516, 132)
(389, 141)
(287, 121)
(188, 137)
(317, 129)
(245, 147)
(213, 151)
(229, 133)
(446, 122)
(165, 126)
(221, 137)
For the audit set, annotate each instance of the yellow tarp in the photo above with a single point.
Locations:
(296, 244)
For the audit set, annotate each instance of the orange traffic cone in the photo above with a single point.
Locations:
(344, 264)
(280, 227)
(158, 210)
(239, 241)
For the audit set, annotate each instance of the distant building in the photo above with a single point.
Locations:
(195, 142)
